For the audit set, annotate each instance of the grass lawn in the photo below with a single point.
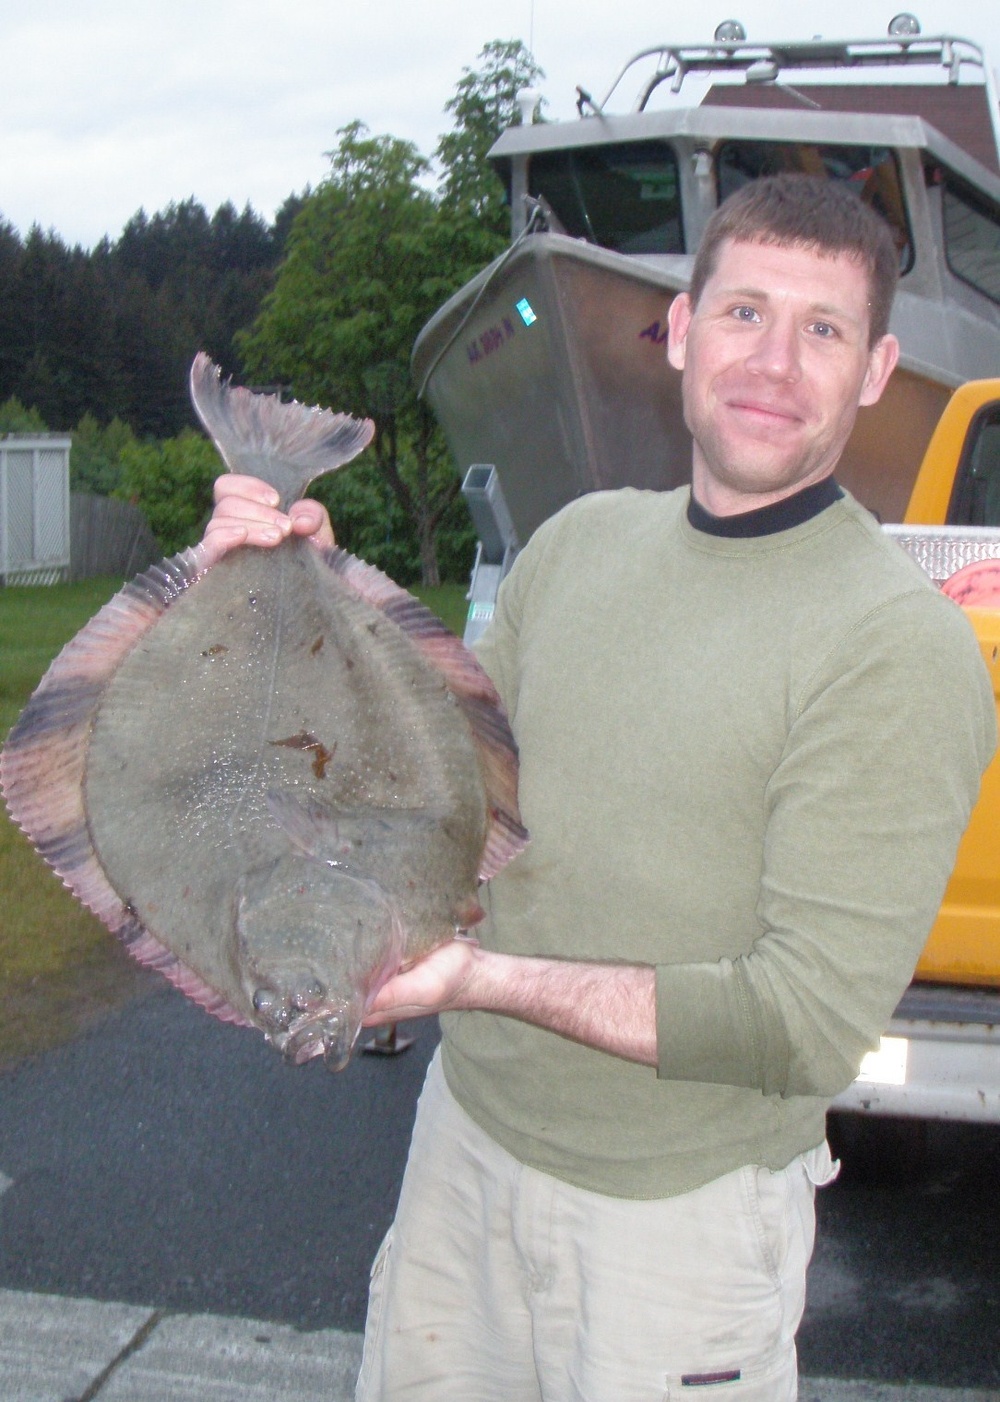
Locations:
(59, 966)
(448, 601)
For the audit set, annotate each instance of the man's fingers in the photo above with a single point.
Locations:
(310, 519)
(218, 540)
(247, 513)
(235, 484)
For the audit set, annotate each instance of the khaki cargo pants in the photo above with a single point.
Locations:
(497, 1283)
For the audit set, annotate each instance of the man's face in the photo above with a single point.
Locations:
(776, 362)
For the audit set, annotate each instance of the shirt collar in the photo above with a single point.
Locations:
(768, 520)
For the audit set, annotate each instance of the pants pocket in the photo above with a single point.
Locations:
(772, 1377)
(820, 1166)
(368, 1385)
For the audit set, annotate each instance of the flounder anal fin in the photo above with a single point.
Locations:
(43, 763)
(472, 689)
(287, 445)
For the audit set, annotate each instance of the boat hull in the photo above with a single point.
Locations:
(582, 399)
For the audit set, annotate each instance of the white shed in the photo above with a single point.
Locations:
(34, 508)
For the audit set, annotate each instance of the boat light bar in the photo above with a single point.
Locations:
(904, 47)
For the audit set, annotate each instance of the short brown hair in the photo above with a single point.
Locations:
(806, 211)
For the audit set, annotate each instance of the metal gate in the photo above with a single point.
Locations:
(34, 508)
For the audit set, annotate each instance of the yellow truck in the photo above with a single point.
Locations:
(940, 1057)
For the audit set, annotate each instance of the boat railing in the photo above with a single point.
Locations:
(762, 63)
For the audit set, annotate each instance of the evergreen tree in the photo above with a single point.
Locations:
(12, 321)
(15, 418)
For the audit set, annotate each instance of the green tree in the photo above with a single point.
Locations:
(484, 105)
(95, 458)
(15, 418)
(370, 256)
(12, 310)
(368, 261)
(171, 482)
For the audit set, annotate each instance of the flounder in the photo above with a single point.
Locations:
(276, 779)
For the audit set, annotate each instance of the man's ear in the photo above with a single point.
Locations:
(678, 321)
(882, 360)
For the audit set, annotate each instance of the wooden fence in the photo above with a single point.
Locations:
(108, 537)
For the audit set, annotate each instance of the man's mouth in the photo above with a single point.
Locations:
(765, 408)
(778, 415)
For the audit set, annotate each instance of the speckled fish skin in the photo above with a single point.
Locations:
(276, 779)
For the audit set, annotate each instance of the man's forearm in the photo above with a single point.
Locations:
(608, 1006)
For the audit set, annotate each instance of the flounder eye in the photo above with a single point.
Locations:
(307, 996)
(272, 1007)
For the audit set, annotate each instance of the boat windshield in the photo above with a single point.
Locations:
(623, 196)
(971, 235)
(870, 170)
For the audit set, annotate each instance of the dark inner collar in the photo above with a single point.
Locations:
(767, 520)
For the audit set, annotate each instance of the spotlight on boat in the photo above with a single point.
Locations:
(765, 70)
(527, 101)
(730, 31)
(903, 25)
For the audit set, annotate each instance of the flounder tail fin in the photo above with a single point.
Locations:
(288, 445)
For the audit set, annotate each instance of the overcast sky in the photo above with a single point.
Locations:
(108, 106)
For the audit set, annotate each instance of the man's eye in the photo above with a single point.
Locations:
(824, 329)
(745, 313)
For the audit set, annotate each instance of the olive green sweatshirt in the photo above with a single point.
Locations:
(747, 762)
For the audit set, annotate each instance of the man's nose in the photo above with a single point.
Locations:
(776, 351)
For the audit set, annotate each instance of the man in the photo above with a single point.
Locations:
(751, 735)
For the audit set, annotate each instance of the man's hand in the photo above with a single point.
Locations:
(246, 513)
(428, 986)
(608, 1006)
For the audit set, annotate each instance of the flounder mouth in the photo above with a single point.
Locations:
(328, 1031)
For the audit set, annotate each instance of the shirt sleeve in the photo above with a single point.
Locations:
(864, 814)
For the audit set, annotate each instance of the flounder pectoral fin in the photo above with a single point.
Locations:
(472, 689)
(331, 834)
(468, 914)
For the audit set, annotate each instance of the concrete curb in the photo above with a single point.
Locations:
(54, 1349)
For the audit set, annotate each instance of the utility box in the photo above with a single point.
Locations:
(34, 508)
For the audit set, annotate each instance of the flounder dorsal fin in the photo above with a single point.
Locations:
(42, 764)
(472, 689)
(287, 445)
